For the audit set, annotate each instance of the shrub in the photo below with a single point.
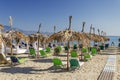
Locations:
(57, 50)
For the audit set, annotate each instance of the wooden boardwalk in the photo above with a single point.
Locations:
(109, 69)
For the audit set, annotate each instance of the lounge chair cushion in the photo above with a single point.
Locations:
(74, 63)
(84, 50)
(57, 62)
(94, 51)
(32, 51)
(74, 54)
(14, 59)
(48, 49)
(87, 56)
(44, 54)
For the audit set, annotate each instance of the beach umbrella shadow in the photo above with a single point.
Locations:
(14, 70)
(43, 60)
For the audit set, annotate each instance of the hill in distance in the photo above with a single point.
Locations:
(7, 28)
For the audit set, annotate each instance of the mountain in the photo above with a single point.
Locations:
(7, 28)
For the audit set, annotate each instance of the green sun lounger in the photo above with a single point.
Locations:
(44, 54)
(15, 60)
(75, 46)
(32, 52)
(58, 63)
(94, 51)
(87, 56)
(74, 54)
(74, 63)
(84, 50)
(66, 48)
(48, 50)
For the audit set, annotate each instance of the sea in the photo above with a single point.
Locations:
(114, 39)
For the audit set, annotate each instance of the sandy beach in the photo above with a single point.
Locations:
(117, 76)
(42, 69)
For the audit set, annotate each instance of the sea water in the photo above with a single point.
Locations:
(114, 39)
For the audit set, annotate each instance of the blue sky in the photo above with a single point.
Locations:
(28, 14)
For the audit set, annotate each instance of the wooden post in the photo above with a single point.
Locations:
(10, 21)
(83, 27)
(68, 55)
(70, 18)
(90, 37)
(38, 46)
(54, 40)
(38, 33)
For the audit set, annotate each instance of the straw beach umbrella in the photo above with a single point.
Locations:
(86, 39)
(65, 35)
(1, 26)
(34, 37)
(105, 37)
(16, 35)
(40, 38)
(22, 35)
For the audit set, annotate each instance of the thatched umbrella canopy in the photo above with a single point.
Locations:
(61, 36)
(1, 27)
(106, 38)
(86, 37)
(16, 35)
(66, 35)
(34, 37)
(92, 36)
(7, 38)
(95, 37)
(21, 35)
(38, 37)
(77, 36)
(101, 37)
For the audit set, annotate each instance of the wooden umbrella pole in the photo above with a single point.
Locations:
(79, 50)
(83, 27)
(70, 18)
(90, 37)
(38, 47)
(54, 33)
(11, 42)
(70, 21)
(38, 40)
(68, 55)
(10, 21)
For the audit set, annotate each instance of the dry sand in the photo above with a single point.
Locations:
(42, 69)
(117, 75)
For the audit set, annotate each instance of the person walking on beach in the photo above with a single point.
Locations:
(112, 44)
